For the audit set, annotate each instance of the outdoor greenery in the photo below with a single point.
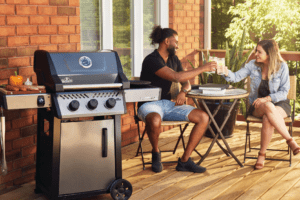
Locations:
(262, 19)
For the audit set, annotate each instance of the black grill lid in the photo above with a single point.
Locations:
(79, 70)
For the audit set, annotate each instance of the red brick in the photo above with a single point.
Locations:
(25, 2)
(125, 128)
(28, 112)
(23, 142)
(67, 11)
(73, 20)
(52, 47)
(22, 122)
(7, 9)
(37, 40)
(12, 135)
(24, 179)
(26, 30)
(78, 47)
(35, 119)
(17, 62)
(26, 71)
(129, 134)
(11, 114)
(28, 51)
(28, 150)
(78, 29)
(59, 20)
(75, 38)
(66, 29)
(17, 20)
(3, 41)
(23, 162)
(6, 73)
(74, 3)
(39, 2)
(17, 41)
(8, 146)
(26, 10)
(67, 47)
(39, 20)
(7, 31)
(59, 39)
(11, 176)
(2, 1)
(77, 11)
(2, 20)
(127, 120)
(59, 2)
(28, 170)
(12, 155)
(3, 63)
(47, 10)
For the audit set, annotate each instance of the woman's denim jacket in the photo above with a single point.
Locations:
(279, 84)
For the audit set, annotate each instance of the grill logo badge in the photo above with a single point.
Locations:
(85, 62)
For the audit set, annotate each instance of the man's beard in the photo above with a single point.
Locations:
(171, 49)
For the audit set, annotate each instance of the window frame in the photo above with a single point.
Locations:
(136, 48)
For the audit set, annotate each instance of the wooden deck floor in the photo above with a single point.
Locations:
(224, 178)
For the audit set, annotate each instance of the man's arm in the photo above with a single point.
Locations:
(184, 76)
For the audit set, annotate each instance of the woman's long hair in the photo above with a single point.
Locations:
(160, 34)
(275, 59)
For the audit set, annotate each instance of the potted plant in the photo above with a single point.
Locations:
(234, 60)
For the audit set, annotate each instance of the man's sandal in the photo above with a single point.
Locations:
(260, 165)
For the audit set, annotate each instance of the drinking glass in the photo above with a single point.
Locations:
(221, 66)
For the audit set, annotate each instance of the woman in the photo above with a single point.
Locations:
(270, 85)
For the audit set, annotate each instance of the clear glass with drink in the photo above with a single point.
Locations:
(221, 66)
(213, 59)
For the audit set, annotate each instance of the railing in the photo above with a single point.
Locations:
(286, 55)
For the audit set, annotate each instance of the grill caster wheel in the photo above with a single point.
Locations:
(120, 189)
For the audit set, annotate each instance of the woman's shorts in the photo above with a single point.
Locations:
(285, 105)
(166, 109)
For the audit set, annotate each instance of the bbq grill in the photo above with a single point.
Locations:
(79, 122)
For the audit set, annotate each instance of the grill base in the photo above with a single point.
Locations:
(57, 176)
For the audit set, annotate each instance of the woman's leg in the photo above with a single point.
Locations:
(275, 116)
(268, 128)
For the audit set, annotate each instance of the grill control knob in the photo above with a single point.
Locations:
(110, 103)
(92, 104)
(74, 105)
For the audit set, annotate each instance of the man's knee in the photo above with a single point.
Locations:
(198, 116)
(153, 120)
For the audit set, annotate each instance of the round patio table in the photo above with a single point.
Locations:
(233, 94)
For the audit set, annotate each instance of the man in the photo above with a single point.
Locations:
(162, 67)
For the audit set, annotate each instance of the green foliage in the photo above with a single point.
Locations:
(221, 19)
(277, 19)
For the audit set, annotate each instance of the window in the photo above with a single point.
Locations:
(124, 26)
(90, 26)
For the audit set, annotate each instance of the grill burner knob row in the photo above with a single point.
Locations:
(92, 104)
(74, 105)
(110, 103)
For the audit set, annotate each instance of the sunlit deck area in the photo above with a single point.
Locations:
(224, 178)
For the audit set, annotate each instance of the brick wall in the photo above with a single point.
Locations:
(25, 26)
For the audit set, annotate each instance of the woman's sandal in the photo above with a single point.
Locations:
(294, 146)
(260, 165)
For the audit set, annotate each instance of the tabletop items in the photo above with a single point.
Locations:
(211, 89)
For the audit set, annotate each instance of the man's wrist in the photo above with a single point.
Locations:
(185, 91)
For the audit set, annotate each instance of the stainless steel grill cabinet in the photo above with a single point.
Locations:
(75, 158)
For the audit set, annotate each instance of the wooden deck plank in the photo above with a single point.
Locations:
(283, 185)
(293, 193)
(224, 179)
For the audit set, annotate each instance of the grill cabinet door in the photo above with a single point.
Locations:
(83, 163)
